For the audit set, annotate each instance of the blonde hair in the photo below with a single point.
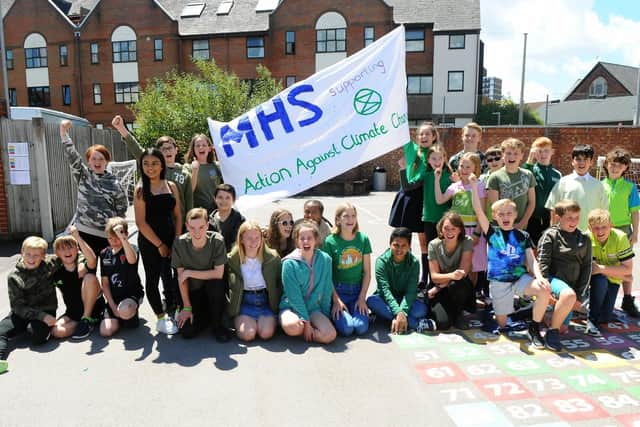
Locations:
(472, 125)
(64, 242)
(113, 222)
(34, 242)
(566, 205)
(474, 159)
(502, 203)
(599, 216)
(342, 208)
(244, 227)
(512, 143)
(197, 213)
(542, 142)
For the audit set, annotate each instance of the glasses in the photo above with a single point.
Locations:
(493, 159)
(285, 223)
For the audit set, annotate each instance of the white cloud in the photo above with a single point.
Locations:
(565, 40)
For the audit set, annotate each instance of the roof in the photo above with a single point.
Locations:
(625, 74)
(6, 5)
(446, 15)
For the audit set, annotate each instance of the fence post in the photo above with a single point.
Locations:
(42, 171)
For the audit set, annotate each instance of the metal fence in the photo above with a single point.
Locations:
(46, 204)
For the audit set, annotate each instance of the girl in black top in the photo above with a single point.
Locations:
(158, 217)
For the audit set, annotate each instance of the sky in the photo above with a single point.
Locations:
(566, 38)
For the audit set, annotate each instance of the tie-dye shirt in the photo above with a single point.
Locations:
(507, 254)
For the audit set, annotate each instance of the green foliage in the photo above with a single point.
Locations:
(179, 103)
(508, 114)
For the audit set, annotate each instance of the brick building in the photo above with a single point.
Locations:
(90, 57)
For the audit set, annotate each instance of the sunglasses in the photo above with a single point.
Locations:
(493, 159)
(285, 223)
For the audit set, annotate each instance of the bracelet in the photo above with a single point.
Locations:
(187, 309)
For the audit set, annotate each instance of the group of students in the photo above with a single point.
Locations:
(313, 279)
(524, 230)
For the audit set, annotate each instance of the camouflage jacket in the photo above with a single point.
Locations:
(31, 291)
(100, 197)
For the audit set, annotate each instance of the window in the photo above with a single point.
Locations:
(127, 93)
(290, 43)
(331, 40)
(369, 35)
(192, 10)
(39, 96)
(13, 97)
(64, 55)
(200, 49)
(456, 81)
(95, 54)
(255, 47)
(124, 51)
(157, 50)
(9, 57)
(225, 7)
(456, 41)
(66, 95)
(97, 93)
(598, 88)
(414, 40)
(36, 57)
(290, 80)
(419, 85)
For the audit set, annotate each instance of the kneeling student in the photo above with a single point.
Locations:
(199, 256)
(120, 281)
(79, 286)
(612, 264)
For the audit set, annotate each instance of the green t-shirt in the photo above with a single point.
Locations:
(185, 255)
(431, 210)
(209, 176)
(513, 186)
(347, 257)
(623, 200)
(615, 250)
(449, 262)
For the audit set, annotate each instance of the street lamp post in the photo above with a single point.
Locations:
(497, 113)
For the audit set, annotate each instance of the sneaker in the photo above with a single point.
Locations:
(534, 336)
(629, 306)
(83, 329)
(592, 329)
(4, 366)
(167, 326)
(552, 340)
(222, 335)
(426, 325)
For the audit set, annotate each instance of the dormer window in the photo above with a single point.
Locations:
(598, 88)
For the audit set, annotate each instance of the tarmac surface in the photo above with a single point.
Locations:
(453, 378)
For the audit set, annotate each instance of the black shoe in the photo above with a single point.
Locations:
(222, 335)
(461, 323)
(534, 336)
(83, 330)
(629, 306)
(552, 340)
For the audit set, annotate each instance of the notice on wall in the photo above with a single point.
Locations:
(19, 163)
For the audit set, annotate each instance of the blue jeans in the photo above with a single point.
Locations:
(417, 311)
(351, 321)
(602, 298)
(255, 304)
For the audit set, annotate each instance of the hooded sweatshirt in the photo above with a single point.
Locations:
(301, 296)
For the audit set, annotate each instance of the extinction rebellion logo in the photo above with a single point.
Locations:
(367, 101)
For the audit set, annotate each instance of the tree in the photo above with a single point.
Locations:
(508, 114)
(179, 103)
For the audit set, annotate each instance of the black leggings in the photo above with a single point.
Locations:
(13, 325)
(155, 267)
(208, 305)
(449, 302)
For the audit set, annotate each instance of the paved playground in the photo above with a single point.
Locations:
(456, 378)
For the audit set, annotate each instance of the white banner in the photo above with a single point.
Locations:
(340, 117)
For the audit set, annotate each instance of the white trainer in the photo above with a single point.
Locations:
(167, 326)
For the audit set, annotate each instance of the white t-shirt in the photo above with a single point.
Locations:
(252, 275)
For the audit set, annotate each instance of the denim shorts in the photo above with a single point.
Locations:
(255, 304)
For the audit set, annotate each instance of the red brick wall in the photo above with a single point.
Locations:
(603, 139)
